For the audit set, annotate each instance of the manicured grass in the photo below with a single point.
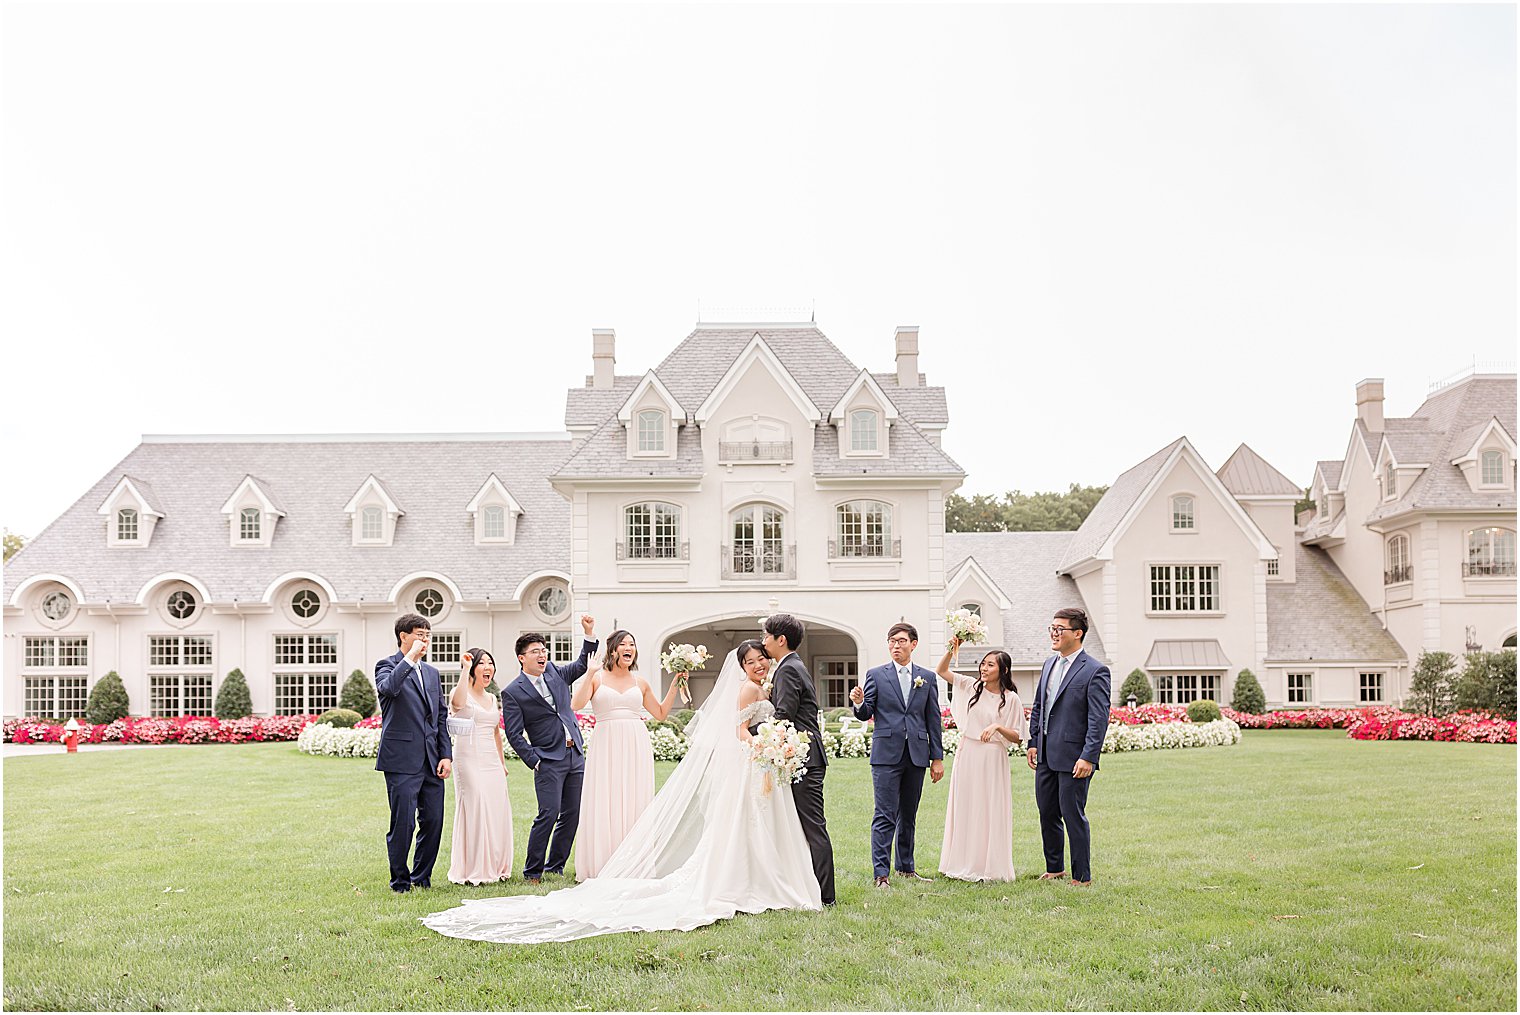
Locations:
(1296, 870)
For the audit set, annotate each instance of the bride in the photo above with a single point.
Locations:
(712, 843)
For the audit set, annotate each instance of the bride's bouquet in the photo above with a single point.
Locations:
(966, 627)
(680, 660)
(780, 751)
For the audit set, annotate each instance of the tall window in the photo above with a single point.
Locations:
(863, 430)
(493, 522)
(250, 521)
(758, 546)
(1397, 567)
(55, 676)
(1493, 468)
(126, 525)
(1370, 687)
(1390, 480)
(1182, 513)
(371, 523)
(1490, 552)
(652, 531)
(651, 430)
(561, 647)
(1185, 588)
(1300, 688)
(1181, 688)
(305, 673)
(444, 649)
(838, 676)
(865, 528)
(179, 675)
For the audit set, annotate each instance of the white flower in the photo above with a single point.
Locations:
(918, 682)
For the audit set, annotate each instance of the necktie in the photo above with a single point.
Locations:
(422, 688)
(1057, 674)
(903, 675)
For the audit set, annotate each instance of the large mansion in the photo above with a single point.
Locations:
(755, 470)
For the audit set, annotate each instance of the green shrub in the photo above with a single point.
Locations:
(657, 724)
(1432, 683)
(344, 717)
(1488, 683)
(232, 698)
(1138, 686)
(359, 694)
(1249, 697)
(1204, 710)
(680, 717)
(108, 700)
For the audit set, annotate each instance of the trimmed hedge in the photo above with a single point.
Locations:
(359, 695)
(108, 700)
(233, 700)
(1138, 686)
(342, 718)
(1204, 710)
(1248, 697)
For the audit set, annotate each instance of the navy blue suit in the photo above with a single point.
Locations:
(1071, 726)
(909, 734)
(538, 734)
(414, 737)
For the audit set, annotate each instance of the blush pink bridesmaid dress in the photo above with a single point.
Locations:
(619, 776)
(482, 843)
(978, 844)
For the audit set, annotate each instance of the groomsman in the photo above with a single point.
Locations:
(415, 754)
(909, 737)
(1067, 724)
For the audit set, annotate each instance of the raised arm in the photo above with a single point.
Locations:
(459, 694)
(943, 669)
(391, 676)
(441, 732)
(587, 686)
(654, 706)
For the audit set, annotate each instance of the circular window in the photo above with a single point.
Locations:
(56, 605)
(430, 602)
(305, 604)
(553, 602)
(181, 605)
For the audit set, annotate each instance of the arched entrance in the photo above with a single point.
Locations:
(832, 655)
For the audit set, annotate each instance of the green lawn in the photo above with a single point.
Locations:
(1296, 870)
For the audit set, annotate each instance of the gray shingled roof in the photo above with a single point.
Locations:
(144, 489)
(433, 480)
(604, 455)
(1023, 564)
(1319, 616)
(1447, 424)
(921, 404)
(588, 406)
(1111, 508)
(1248, 474)
(908, 450)
(1332, 472)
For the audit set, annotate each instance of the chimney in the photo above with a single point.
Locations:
(602, 360)
(1369, 403)
(907, 356)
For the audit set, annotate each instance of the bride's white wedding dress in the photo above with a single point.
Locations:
(710, 844)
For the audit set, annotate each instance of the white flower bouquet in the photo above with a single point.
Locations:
(780, 751)
(966, 627)
(680, 660)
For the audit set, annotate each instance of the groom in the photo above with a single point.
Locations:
(909, 737)
(793, 698)
(541, 726)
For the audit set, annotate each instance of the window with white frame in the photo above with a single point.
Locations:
(837, 677)
(250, 524)
(55, 676)
(56, 605)
(759, 545)
(1182, 514)
(444, 649)
(1490, 552)
(1185, 588)
(181, 604)
(1492, 468)
(1390, 480)
(864, 528)
(972, 608)
(179, 675)
(305, 673)
(126, 525)
(1181, 688)
(561, 647)
(1274, 567)
(306, 603)
(652, 531)
(863, 430)
(1370, 687)
(1396, 565)
(493, 522)
(1300, 688)
(371, 523)
(651, 430)
(553, 602)
(430, 601)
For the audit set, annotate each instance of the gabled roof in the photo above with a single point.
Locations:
(604, 455)
(969, 566)
(923, 405)
(1465, 444)
(649, 380)
(909, 453)
(1247, 474)
(373, 482)
(1320, 617)
(1331, 471)
(493, 485)
(757, 351)
(589, 406)
(862, 380)
(260, 489)
(140, 491)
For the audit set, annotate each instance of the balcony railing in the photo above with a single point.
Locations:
(1402, 573)
(731, 452)
(1488, 569)
(868, 546)
(653, 549)
(746, 562)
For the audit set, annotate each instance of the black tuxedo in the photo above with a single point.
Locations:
(795, 700)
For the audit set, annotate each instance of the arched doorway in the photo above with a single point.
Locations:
(831, 653)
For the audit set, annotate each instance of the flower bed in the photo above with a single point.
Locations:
(184, 729)
(339, 741)
(1459, 727)
(1305, 718)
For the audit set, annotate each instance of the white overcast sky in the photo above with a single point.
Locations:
(1113, 225)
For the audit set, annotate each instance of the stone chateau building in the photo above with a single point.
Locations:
(757, 469)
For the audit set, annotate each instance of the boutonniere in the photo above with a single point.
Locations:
(918, 681)
(766, 685)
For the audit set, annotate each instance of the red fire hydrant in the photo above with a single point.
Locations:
(71, 736)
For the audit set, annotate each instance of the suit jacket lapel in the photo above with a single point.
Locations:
(1072, 672)
(897, 684)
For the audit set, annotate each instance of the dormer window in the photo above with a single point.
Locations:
(249, 524)
(651, 430)
(862, 418)
(373, 513)
(1492, 469)
(252, 514)
(372, 524)
(495, 511)
(126, 525)
(130, 511)
(1182, 514)
(493, 522)
(863, 430)
(1390, 480)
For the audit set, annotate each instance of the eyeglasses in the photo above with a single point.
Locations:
(539, 651)
(899, 641)
(1058, 630)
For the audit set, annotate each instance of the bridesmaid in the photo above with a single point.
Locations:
(620, 760)
(978, 844)
(482, 844)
